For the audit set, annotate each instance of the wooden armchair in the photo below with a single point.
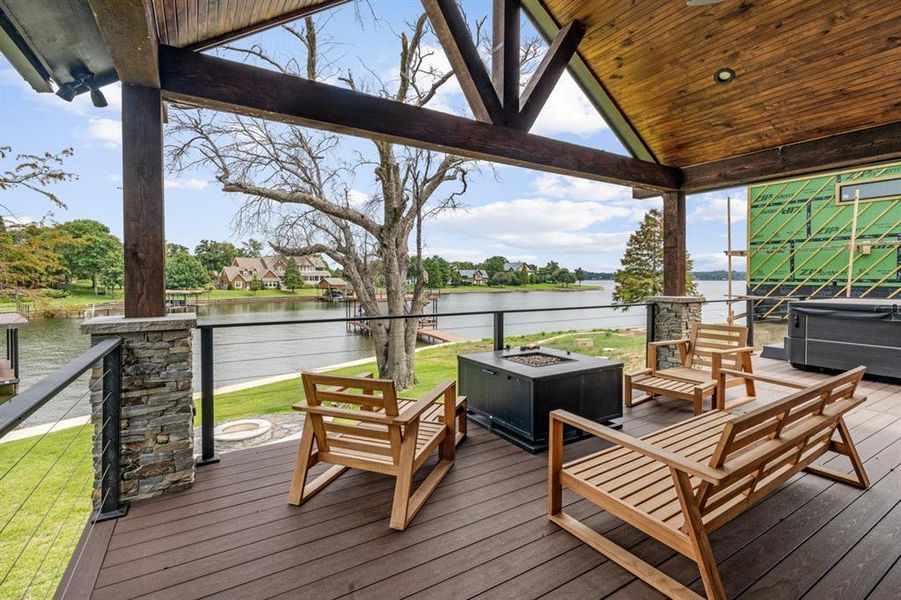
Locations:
(360, 423)
(681, 483)
(709, 349)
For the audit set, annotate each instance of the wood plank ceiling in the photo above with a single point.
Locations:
(805, 69)
(201, 23)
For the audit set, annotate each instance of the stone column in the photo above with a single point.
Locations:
(157, 420)
(673, 318)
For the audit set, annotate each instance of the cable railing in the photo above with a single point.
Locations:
(302, 344)
(47, 479)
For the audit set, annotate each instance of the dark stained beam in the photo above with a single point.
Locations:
(674, 253)
(227, 85)
(505, 56)
(142, 192)
(545, 78)
(592, 87)
(640, 194)
(865, 146)
(129, 31)
(450, 28)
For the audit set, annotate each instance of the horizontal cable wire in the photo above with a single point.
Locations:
(47, 472)
(43, 435)
(49, 509)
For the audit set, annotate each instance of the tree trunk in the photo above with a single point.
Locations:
(94, 282)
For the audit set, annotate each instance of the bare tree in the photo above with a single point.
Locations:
(34, 172)
(301, 193)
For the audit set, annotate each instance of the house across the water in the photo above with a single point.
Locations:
(473, 277)
(270, 270)
(516, 268)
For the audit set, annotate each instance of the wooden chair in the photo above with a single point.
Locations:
(680, 484)
(360, 423)
(709, 349)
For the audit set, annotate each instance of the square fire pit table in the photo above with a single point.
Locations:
(511, 392)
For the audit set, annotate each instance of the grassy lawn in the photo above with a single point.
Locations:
(39, 533)
(80, 296)
(432, 366)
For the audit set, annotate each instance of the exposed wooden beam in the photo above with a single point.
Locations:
(545, 78)
(129, 31)
(451, 30)
(865, 146)
(142, 193)
(674, 253)
(640, 194)
(505, 56)
(594, 90)
(236, 87)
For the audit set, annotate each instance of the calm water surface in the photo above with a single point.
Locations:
(246, 353)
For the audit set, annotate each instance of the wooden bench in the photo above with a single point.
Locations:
(359, 422)
(709, 349)
(681, 483)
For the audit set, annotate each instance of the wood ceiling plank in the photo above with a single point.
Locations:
(805, 68)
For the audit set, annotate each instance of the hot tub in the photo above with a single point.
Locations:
(843, 333)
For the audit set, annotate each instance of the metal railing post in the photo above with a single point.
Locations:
(749, 320)
(499, 330)
(650, 326)
(207, 443)
(111, 420)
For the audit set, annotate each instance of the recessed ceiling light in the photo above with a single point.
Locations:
(724, 75)
(702, 2)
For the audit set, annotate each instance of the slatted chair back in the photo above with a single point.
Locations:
(763, 448)
(705, 338)
(367, 397)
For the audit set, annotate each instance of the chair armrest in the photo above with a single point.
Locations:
(345, 413)
(648, 449)
(726, 351)
(413, 412)
(763, 379)
(669, 342)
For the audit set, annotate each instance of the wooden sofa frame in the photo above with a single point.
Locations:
(681, 483)
(708, 350)
(359, 422)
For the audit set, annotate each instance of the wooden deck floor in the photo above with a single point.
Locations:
(484, 532)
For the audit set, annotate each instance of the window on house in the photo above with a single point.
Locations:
(237, 285)
(870, 190)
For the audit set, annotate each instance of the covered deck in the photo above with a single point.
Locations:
(485, 533)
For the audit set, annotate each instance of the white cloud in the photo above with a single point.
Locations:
(712, 206)
(358, 199)
(106, 131)
(538, 223)
(575, 188)
(568, 111)
(186, 184)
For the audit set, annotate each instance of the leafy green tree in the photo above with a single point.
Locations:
(112, 275)
(30, 257)
(641, 274)
(251, 248)
(580, 275)
(172, 249)
(93, 248)
(565, 277)
(493, 265)
(440, 271)
(215, 255)
(292, 278)
(501, 278)
(183, 271)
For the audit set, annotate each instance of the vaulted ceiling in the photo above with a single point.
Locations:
(804, 69)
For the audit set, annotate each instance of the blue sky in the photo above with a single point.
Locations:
(521, 214)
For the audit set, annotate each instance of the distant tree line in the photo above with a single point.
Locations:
(441, 272)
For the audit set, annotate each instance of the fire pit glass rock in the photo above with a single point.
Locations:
(538, 359)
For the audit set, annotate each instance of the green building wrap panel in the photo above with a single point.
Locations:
(800, 231)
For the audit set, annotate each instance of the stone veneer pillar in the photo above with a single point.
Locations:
(673, 318)
(157, 414)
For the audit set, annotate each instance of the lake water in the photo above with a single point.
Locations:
(247, 353)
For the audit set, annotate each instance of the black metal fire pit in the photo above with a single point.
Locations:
(511, 392)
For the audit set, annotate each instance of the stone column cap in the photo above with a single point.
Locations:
(119, 324)
(674, 299)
